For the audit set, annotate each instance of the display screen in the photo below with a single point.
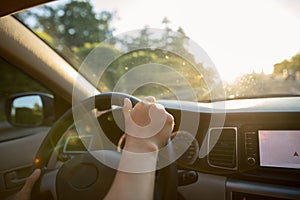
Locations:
(279, 148)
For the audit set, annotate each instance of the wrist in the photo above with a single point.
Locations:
(132, 162)
(138, 156)
(139, 145)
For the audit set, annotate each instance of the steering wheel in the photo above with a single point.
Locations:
(83, 176)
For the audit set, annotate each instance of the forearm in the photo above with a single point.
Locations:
(132, 186)
(135, 177)
(136, 172)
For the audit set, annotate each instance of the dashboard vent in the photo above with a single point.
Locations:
(223, 145)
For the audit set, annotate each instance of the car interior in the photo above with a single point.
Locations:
(60, 113)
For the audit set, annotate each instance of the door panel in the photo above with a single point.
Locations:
(18, 146)
(21, 151)
(17, 157)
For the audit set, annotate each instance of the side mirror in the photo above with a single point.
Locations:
(30, 109)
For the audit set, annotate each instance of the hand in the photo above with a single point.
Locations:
(25, 192)
(148, 126)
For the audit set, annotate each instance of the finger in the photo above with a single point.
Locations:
(31, 181)
(150, 99)
(170, 118)
(143, 107)
(173, 134)
(127, 107)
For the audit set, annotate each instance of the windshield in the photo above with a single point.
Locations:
(218, 49)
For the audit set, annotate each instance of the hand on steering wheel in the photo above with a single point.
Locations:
(148, 126)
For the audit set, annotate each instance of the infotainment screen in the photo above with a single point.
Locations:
(279, 148)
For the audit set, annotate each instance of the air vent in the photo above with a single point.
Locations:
(223, 145)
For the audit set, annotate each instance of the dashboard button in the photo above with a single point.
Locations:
(251, 161)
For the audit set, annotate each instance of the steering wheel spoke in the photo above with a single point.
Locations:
(48, 182)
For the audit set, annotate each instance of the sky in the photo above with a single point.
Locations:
(239, 36)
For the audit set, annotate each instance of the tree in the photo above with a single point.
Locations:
(75, 29)
(76, 23)
(291, 65)
(70, 28)
(295, 62)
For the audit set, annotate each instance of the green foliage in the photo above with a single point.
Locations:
(46, 37)
(260, 84)
(248, 85)
(75, 23)
(74, 29)
(290, 65)
(15, 81)
(69, 27)
(84, 50)
(184, 64)
(276, 84)
(138, 58)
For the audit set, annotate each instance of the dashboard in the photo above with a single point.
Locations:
(257, 150)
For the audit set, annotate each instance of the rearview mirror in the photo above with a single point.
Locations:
(30, 109)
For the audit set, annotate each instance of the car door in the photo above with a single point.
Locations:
(18, 145)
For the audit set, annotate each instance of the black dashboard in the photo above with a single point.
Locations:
(257, 147)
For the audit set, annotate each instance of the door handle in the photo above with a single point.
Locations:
(12, 180)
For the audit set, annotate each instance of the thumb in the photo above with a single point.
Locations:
(31, 180)
(127, 108)
(25, 192)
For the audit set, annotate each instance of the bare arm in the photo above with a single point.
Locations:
(136, 175)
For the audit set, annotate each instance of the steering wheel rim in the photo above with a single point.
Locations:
(166, 178)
